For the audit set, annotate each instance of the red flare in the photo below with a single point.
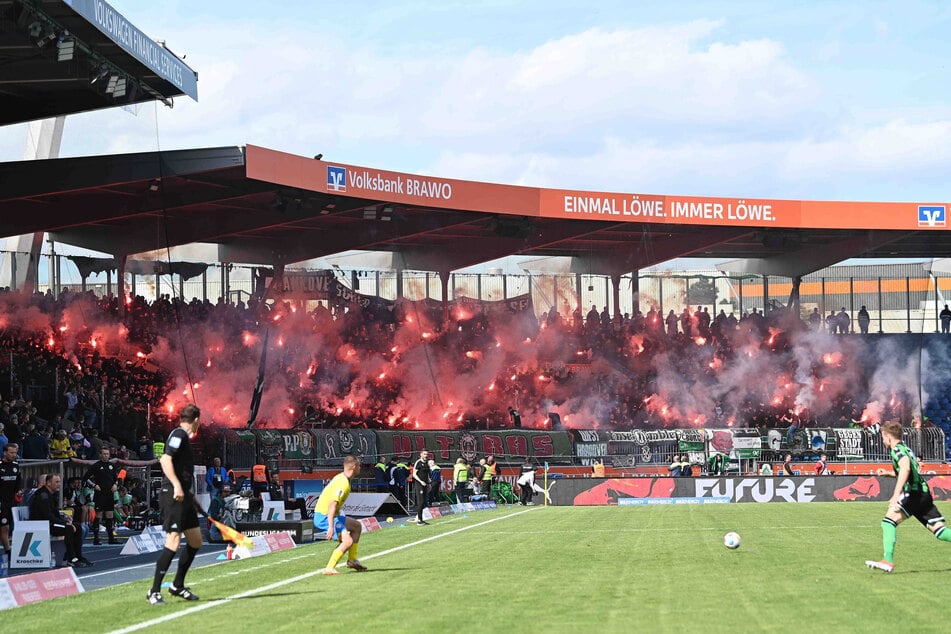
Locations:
(699, 341)
(208, 363)
(140, 354)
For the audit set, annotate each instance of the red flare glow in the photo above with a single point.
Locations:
(208, 363)
(94, 343)
(140, 354)
(700, 341)
(290, 410)
(50, 342)
(63, 328)
(280, 342)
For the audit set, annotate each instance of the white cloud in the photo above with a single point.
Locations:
(677, 108)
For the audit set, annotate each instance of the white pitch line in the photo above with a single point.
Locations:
(306, 575)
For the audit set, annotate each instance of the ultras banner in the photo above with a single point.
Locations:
(507, 446)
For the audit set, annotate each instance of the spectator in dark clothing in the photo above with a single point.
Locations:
(144, 448)
(435, 483)
(276, 491)
(864, 319)
(787, 465)
(35, 446)
(45, 507)
(945, 316)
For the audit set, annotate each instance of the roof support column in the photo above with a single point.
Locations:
(120, 282)
(277, 282)
(444, 283)
(31, 278)
(616, 294)
(635, 292)
(793, 303)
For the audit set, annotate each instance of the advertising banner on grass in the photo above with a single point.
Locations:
(38, 586)
(833, 488)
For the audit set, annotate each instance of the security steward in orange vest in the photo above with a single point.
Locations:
(260, 478)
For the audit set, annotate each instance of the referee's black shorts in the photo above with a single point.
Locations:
(105, 501)
(177, 517)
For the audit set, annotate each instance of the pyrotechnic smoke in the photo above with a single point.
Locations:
(408, 372)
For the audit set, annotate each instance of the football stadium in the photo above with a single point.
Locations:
(376, 399)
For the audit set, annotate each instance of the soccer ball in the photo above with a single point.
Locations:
(731, 540)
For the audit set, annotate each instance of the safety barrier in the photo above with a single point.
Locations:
(304, 450)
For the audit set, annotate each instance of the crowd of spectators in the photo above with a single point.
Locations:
(65, 393)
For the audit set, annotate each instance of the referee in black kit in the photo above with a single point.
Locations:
(103, 478)
(422, 484)
(179, 510)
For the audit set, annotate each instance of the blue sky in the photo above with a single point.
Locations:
(822, 100)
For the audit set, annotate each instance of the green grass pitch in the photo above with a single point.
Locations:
(601, 569)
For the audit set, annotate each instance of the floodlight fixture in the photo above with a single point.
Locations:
(101, 73)
(66, 49)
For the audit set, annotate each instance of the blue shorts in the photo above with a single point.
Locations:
(321, 524)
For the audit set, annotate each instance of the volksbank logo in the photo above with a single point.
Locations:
(336, 179)
(932, 216)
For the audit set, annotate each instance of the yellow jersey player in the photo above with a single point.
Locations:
(327, 517)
